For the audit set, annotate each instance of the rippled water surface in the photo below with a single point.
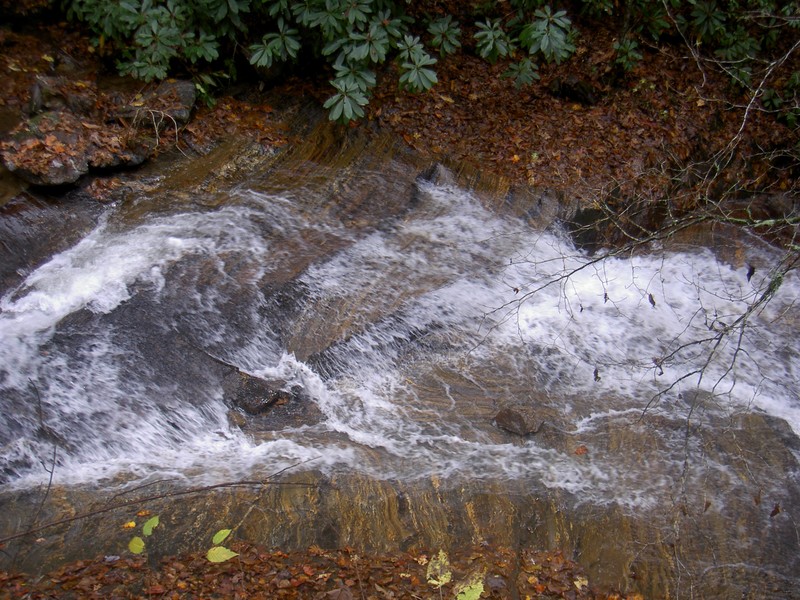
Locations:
(408, 329)
(425, 325)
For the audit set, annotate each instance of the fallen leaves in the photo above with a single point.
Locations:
(255, 573)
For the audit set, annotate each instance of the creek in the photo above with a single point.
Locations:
(401, 306)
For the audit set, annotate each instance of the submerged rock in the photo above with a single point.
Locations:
(519, 420)
(257, 396)
(267, 405)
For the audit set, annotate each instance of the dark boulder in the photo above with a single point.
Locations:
(267, 405)
(168, 105)
(48, 149)
(256, 396)
(519, 420)
(56, 93)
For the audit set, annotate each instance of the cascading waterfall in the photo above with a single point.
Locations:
(407, 338)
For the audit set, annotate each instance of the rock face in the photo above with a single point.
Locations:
(72, 129)
(725, 532)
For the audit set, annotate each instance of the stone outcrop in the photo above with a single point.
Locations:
(72, 129)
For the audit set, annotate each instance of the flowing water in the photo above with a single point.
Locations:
(406, 311)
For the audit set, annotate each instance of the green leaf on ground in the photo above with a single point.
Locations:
(136, 545)
(149, 525)
(220, 536)
(219, 554)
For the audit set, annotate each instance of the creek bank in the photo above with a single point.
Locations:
(71, 128)
(260, 574)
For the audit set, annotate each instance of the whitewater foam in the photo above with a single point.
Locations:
(450, 293)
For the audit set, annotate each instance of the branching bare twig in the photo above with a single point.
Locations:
(171, 494)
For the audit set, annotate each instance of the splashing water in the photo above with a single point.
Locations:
(407, 338)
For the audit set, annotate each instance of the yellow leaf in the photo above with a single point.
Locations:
(129, 525)
(48, 58)
(136, 545)
(581, 582)
(219, 554)
(439, 573)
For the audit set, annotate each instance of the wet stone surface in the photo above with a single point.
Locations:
(693, 495)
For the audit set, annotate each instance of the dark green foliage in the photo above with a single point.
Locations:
(276, 46)
(446, 34)
(150, 35)
(351, 75)
(152, 38)
(707, 20)
(416, 76)
(493, 41)
(549, 34)
(523, 72)
(414, 62)
(628, 55)
(346, 104)
(771, 99)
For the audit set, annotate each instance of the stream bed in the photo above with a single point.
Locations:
(395, 309)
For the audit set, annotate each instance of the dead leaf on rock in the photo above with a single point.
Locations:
(341, 593)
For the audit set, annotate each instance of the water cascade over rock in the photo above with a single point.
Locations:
(383, 329)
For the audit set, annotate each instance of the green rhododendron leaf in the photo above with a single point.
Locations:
(136, 545)
(219, 554)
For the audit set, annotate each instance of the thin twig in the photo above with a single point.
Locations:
(171, 494)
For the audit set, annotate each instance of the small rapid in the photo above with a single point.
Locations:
(407, 337)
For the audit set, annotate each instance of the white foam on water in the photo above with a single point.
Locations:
(451, 287)
(605, 320)
(98, 273)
